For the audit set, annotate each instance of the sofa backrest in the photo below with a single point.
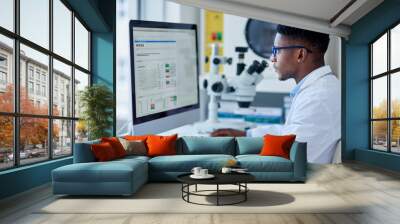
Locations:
(249, 145)
(83, 152)
(192, 145)
(253, 145)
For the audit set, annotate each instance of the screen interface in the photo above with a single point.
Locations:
(165, 63)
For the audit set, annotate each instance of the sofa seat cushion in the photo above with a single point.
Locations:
(133, 158)
(111, 171)
(185, 163)
(257, 163)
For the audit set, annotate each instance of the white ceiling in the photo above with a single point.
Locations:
(327, 16)
(321, 9)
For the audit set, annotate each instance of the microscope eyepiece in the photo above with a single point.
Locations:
(253, 67)
(262, 66)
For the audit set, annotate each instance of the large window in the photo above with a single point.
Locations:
(7, 14)
(44, 64)
(385, 91)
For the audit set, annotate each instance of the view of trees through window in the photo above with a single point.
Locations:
(39, 115)
(385, 91)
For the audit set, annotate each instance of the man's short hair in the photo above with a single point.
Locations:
(317, 40)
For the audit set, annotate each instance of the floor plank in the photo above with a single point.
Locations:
(376, 188)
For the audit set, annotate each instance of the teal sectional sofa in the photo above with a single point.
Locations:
(125, 176)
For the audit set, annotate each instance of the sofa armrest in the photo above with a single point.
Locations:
(298, 155)
(83, 152)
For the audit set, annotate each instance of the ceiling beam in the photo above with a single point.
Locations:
(89, 11)
(346, 12)
(269, 15)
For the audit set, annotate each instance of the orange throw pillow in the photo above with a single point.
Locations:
(103, 152)
(277, 145)
(161, 145)
(116, 145)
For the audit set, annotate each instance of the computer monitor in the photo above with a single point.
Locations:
(164, 75)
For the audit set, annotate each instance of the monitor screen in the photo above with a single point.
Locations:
(164, 66)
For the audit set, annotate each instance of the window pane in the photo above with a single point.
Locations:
(7, 14)
(379, 135)
(81, 131)
(81, 45)
(62, 138)
(379, 97)
(379, 55)
(81, 81)
(33, 139)
(35, 21)
(395, 136)
(62, 29)
(62, 89)
(395, 47)
(34, 72)
(395, 95)
(6, 74)
(6, 142)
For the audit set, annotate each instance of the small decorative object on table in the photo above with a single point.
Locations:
(231, 163)
(230, 166)
(226, 170)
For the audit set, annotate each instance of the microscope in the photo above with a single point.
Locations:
(215, 84)
(241, 88)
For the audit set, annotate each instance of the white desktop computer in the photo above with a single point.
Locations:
(164, 88)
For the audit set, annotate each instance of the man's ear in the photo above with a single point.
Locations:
(301, 56)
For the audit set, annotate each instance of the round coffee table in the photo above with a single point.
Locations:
(238, 179)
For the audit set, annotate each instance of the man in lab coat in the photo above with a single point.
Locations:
(315, 114)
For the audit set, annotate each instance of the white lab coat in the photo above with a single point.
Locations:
(314, 116)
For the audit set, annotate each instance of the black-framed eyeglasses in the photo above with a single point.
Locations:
(276, 49)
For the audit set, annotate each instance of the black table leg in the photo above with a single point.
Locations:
(245, 193)
(217, 194)
(188, 190)
(182, 190)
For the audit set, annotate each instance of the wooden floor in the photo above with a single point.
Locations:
(378, 188)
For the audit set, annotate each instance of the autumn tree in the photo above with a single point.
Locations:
(6, 122)
(380, 127)
(33, 131)
(395, 123)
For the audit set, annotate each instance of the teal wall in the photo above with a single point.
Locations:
(356, 84)
(99, 15)
(24, 178)
(103, 61)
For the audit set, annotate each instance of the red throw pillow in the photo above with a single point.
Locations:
(161, 145)
(116, 145)
(277, 145)
(103, 152)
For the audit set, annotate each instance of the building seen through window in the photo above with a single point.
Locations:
(35, 74)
